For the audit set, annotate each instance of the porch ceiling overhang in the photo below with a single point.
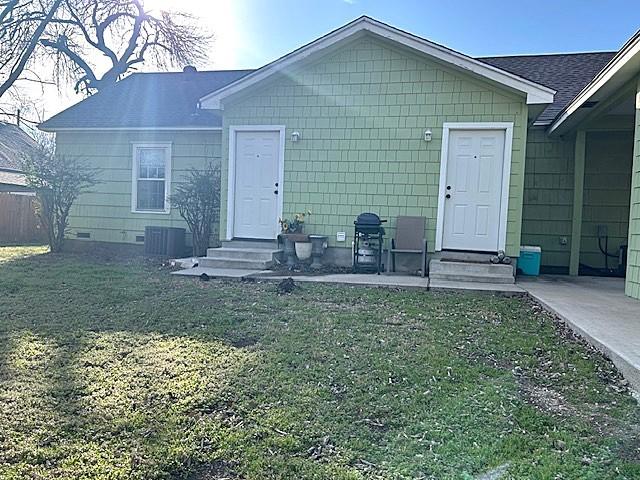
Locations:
(622, 69)
(536, 94)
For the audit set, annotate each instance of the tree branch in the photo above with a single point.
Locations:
(28, 51)
(61, 45)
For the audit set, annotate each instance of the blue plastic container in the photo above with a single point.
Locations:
(529, 261)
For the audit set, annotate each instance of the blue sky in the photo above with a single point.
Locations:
(268, 29)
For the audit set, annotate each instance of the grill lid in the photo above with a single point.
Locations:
(368, 218)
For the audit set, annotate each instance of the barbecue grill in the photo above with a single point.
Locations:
(368, 243)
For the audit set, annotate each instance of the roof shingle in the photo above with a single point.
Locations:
(14, 143)
(147, 100)
(567, 73)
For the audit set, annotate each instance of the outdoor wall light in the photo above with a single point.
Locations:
(295, 136)
(427, 135)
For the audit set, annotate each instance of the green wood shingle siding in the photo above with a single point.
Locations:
(633, 269)
(362, 111)
(607, 185)
(548, 196)
(105, 213)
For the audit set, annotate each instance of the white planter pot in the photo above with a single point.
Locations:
(303, 250)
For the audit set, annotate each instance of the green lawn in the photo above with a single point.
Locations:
(121, 371)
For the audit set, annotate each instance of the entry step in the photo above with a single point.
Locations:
(453, 270)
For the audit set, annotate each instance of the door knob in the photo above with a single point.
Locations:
(275, 192)
(448, 195)
(276, 184)
(448, 187)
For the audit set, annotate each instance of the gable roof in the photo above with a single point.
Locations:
(535, 93)
(169, 100)
(566, 73)
(148, 101)
(14, 143)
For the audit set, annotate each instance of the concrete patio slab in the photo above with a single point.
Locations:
(598, 310)
(234, 273)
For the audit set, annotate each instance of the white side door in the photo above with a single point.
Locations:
(256, 184)
(473, 191)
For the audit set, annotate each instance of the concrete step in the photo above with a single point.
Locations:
(455, 277)
(457, 271)
(473, 268)
(463, 256)
(268, 244)
(231, 263)
(253, 254)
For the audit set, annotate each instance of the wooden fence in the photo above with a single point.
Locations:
(19, 223)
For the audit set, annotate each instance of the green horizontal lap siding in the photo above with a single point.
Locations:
(362, 111)
(607, 184)
(548, 196)
(633, 268)
(105, 212)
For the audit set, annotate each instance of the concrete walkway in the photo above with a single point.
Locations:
(361, 279)
(598, 310)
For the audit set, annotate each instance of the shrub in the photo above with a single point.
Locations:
(198, 201)
(57, 180)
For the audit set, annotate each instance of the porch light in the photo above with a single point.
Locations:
(427, 135)
(295, 136)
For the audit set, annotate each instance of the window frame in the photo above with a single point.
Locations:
(167, 146)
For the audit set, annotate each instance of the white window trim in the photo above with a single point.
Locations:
(231, 173)
(506, 175)
(167, 175)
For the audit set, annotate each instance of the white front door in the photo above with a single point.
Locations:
(473, 191)
(256, 184)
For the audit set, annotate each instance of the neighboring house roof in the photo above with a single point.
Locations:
(12, 178)
(14, 143)
(619, 71)
(535, 93)
(566, 73)
(148, 100)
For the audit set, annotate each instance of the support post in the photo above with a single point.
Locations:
(578, 197)
(632, 284)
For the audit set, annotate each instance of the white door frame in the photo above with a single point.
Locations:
(506, 174)
(231, 172)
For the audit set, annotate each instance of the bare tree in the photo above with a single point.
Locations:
(76, 35)
(57, 181)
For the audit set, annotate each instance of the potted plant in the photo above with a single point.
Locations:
(294, 239)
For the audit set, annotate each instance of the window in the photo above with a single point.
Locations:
(151, 177)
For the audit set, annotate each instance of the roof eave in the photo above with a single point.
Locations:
(54, 129)
(620, 69)
(535, 93)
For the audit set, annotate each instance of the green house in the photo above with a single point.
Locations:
(494, 152)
